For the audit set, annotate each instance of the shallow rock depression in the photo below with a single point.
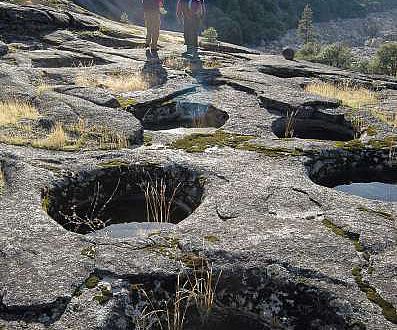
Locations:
(90, 201)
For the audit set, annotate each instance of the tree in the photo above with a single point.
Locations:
(336, 55)
(305, 26)
(386, 59)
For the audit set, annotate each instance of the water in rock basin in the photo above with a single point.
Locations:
(372, 190)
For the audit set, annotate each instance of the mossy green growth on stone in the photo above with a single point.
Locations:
(388, 310)
(371, 131)
(269, 151)
(89, 251)
(92, 282)
(211, 238)
(45, 203)
(201, 142)
(2, 181)
(103, 297)
(382, 214)
(147, 139)
(353, 237)
(350, 145)
(126, 102)
(114, 163)
(387, 143)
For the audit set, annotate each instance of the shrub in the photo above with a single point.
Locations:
(309, 51)
(385, 61)
(336, 55)
(210, 35)
(124, 18)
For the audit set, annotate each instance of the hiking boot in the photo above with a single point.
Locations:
(194, 52)
(188, 52)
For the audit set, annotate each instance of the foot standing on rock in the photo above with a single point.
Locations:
(191, 14)
(152, 11)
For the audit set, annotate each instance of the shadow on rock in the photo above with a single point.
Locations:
(153, 70)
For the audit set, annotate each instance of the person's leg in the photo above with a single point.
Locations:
(195, 29)
(156, 30)
(186, 27)
(148, 29)
(191, 35)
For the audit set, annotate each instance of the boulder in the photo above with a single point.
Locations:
(288, 53)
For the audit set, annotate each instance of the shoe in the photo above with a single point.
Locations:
(188, 52)
(194, 52)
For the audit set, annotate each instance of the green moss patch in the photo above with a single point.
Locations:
(201, 142)
(92, 282)
(371, 131)
(126, 102)
(147, 139)
(382, 214)
(114, 163)
(270, 152)
(89, 252)
(350, 145)
(103, 297)
(45, 203)
(212, 238)
(388, 310)
(353, 237)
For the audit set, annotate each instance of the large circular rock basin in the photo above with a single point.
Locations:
(368, 174)
(92, 200)
(249, 300)
(177, 114)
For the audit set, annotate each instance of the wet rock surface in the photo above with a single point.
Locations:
(253, 205)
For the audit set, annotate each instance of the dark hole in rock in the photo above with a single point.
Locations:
(248, 299)
(91, 201)
(318, 127)
(369, 174)
(178, 114)
(288, 72)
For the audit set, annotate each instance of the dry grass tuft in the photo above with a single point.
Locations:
(43, 88)
(2, 180)
(116, 82)
(352, 96)
(194, 293)
(56, 140)
(12, 111)
(176, 62)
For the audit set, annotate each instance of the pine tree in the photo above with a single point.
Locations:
(305, 26)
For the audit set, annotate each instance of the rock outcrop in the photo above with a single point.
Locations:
(238, 154)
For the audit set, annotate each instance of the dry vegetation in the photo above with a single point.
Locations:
(195, 293)
(2, 180)
(65, 137)
(176, 62)
(352, 96)
(44, 87)
(122, 81)
(12, 111)
(158, 203)
(57, 139)
(357, 98)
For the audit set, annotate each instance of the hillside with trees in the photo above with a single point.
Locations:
(248, 21)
